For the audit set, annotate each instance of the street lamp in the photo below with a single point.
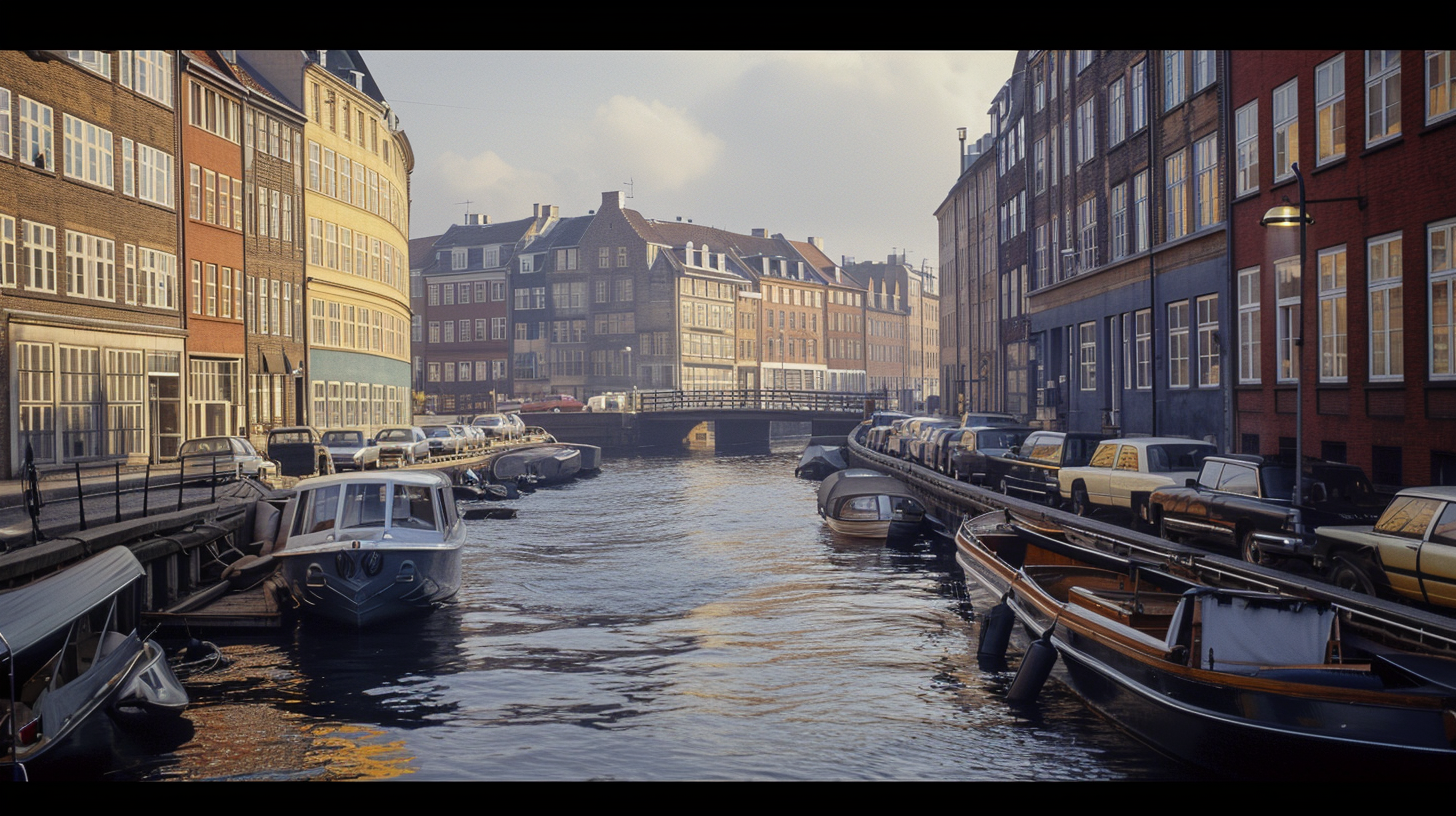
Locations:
(628, 349)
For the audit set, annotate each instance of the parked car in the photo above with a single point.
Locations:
(351, 450)
(916, 447)
(1245, 502)
(403, 444)
(607, 402)
(444, 440)
(1124, 472)
(553, 403)
(939, 447)
(1410, 550)
(1030, 469)
(972, 419)
(969, 458)
(902, 431)
(232, 456)
(498, 426)
(299, 452)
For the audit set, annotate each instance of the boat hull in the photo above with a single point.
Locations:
(368, 584)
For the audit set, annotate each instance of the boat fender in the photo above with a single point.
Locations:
(996, 628)
(1036, 666)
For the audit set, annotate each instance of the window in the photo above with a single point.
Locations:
(1440, 87)
(621, 256)
(1209, 370)
(1333, 359)
(1176, 176)
(604, 257)
(1250, 326)
(1204, 68)
(5, 131)
(1087, 131)
(148, 73)
(497, 328)
(37, 134)
(1038, 161)
(1383, 273)
(1117, 205)
(9, 276)
(1439, 250)
(1287, 323)
(1246, 141)
(88, 152)
(91, 266)
(566, 259)
(1087, 222)
(154, 175)
(1116, 112)
(1087, 356)
(1175, 87)
(1329, 110)
(1286, 128)
(40, 256)
(1207, 204)
(1143, 348)
(1382, 96)
(1139, 96)
(1178, 344)
(1140, 211)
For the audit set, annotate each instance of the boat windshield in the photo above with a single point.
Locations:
(413, 508)
(364, 505)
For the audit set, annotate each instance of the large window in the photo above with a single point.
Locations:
(88, 152)
(1178, 344)
(154, 175)
(1329, 110)
(1440, 86)
(148, 73)
(1143, 348)
(37, 134)
(1286, 293)
(1087, 130)
(1176, 176)
(1383, 273)
(1116, 112)
(1204, 69)
(1382, 95)
(1250, 326)
(1209, 370)
(1207, 203)
(40, 255)
(1175, 87)
(1333, 339)
(1140, 211)
(1246, 141)
(1139, 96)
(1087, 356)
(1286, 128)
(1087, 224)
(1439, 249)
(1117, 205)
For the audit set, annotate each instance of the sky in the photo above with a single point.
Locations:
(856, 147)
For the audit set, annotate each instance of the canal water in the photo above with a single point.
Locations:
(673, 618)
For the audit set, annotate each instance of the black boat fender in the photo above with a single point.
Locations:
(1036, 667)
(996, 628)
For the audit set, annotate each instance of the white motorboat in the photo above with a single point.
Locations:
(364, 548)
(67, 657)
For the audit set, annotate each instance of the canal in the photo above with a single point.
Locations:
(674, 618)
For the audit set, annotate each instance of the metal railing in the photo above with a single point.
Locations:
(755, 399)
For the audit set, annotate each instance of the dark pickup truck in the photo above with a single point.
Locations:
(1245, 502)
(1029, 470)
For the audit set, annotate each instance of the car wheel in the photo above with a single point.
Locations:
(1254, 554)
(555, 410)
(1081, 503)
(1353, 573)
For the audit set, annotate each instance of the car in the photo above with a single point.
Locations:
(444, 440)
(1245, 501)
(403, 445)
(968, 458)
(897, 444)
(1410, 551)
(351, 450)
(917, 447)
(607, 402)
(497, 426)
(1124, 472)
(972, 419)
(553, 403)
(232, 455)
(299, 451)
(1030, 469)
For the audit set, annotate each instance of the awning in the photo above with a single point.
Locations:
(273, 363)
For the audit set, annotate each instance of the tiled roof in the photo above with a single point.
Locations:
(478, 234)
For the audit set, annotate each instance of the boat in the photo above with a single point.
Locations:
(539, 464)
(362, 548)
(1246, 683)
(823, 455)
(868, 504)
(68, 657)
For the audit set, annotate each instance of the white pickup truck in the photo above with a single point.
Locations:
(1123, 472)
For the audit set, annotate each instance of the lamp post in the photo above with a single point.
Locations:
(628, 349)
(1287, 215)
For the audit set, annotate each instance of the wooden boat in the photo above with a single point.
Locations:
(868, 504)
(64, 633)
(1250, 684)
(365, 548)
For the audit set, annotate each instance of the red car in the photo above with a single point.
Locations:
(553, 403)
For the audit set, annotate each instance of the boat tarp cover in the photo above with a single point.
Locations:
(859, 482)
(1242, 634)
(31, 613)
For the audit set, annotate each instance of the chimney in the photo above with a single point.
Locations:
(612, 200)
(817, 242)
(760, 232)
(535, 210)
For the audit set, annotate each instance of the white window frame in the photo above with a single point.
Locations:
(39, 251)
(1329, 110)
(1441, 264)
(1141, 215)
(1116, 112)
(37, 124)
(1087, 355)
(1251, 327)
(1246, 141)
(1210, 372)
(1117, 207)
(1287, 318)
(1175, 199)
(1440, 86)
(1178, 344)
(1143, 348)
(1175, 84)
(1382, 96)
(88, 152)
(1087, 131)
(1334, 341)
(1205, 67)
(1384, 279)
(1207, 203)
(1087, 237)
(1139, 97)
(155, 175)
(1285, 123)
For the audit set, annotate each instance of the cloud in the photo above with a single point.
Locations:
(648, 141)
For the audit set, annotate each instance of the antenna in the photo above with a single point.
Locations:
(628, 182)
(467, 202)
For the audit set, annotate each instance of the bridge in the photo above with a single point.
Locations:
(662, 420)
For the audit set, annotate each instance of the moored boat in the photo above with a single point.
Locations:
(822, 456)
(540, 464)
(868, 504)
(65, 634)
(365, 548)
(1250, 684)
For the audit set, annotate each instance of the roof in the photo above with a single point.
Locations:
(1442, 492)
(566, 233)
(419, 478)
(422, 251)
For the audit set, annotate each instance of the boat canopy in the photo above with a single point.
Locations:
(1246, 631)
(32, 613)
(858, 482)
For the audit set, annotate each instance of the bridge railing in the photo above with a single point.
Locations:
(757, 399)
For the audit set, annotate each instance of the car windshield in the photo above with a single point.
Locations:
(394, 435)
(342, 438)
(999, 439)
(288, 438)
(437, 431)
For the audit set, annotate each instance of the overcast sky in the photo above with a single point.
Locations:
(858, 148)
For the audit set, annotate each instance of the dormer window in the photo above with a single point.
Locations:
(458, 258)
